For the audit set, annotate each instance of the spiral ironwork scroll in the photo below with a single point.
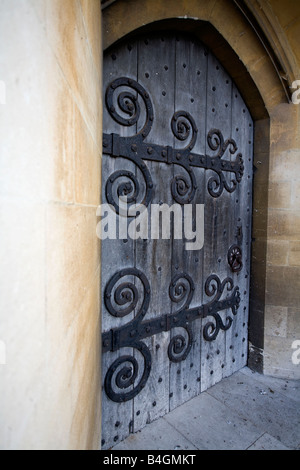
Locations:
(126, 295)
(183, 187)
(215, 288)
(124, 98)
(184, 128)
(127, 186)
(217, 182)
(179, 347)
(129, 104)
(181, 291)
(182, 288)
(124, 379)
(121, 299)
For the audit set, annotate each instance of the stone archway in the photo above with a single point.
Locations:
(235, 42)
(221, 26)
(175, 318)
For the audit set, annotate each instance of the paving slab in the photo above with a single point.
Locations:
(270, 410)
(210, 425)
(267, 442)
(158, 435)
(244, 411)
(288, 387)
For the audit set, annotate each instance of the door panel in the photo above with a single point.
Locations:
(176, 132)
(155, 67)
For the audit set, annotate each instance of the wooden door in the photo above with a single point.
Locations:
(174, 320)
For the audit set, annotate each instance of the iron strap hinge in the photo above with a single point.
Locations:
(169, 155)
(137, 330)
(184, 130)
(115, 145)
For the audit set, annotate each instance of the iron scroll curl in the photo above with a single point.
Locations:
(122, 375)
(124, 98)
(184, 128)
(124, 379)
(215, 288)
(218, 182)
(122, 102)
(128, 103)
(181, 291)
(122, 299)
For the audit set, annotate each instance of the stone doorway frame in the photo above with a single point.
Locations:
(220, 25)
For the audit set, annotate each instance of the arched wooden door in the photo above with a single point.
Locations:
(176, 132)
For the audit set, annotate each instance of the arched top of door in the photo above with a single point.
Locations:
(228, 28)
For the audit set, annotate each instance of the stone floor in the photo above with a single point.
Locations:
(244, 411)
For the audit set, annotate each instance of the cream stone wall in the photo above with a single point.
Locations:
(282, 311)
(50, 173)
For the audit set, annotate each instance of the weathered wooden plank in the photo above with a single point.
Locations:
(242, 131)
(190, 97)
(115, 254)
(156, 73)
(218, 221)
